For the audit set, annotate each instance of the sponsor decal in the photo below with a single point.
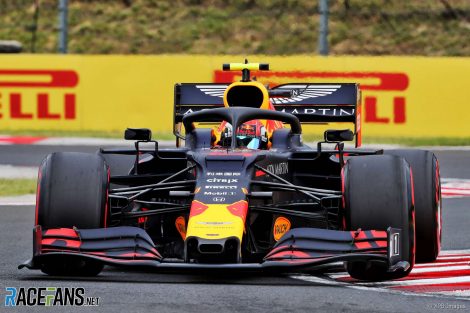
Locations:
(218, 199)
(37, 86)
(375, 85)
(180, 224)
(222, 180)
(223, 174)
(48, 296)
(278, 168)
(320, 111)
(310, 91)
(221, 187)
(213, 90)
(219, 193)
(281, 226)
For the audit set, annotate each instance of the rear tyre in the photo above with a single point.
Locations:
(428, 203)
(72, 192)
(378, 194)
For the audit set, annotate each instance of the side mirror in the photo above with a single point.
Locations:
(335, 135)
(142, 134)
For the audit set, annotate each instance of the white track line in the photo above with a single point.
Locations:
(18, 200)
(315, 279)
(463, 257)
(457, 293)
(413, 282)
(417, 270)
(454, 257)
(15, 172)
(440, 269)
(445, 253)
(441, 264)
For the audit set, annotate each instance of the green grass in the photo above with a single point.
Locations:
(15, 187)
(365, 27)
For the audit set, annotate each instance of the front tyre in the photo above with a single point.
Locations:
(428, 201)
(378, 194)
(72, 192)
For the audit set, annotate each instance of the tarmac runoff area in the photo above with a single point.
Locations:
(439, 286)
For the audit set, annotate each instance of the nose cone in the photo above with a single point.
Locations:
(226, 250)
(217, 221)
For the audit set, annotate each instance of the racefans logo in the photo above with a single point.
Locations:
(48, 296)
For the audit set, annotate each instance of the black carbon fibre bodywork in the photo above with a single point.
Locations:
(300, 249)
(150, 205)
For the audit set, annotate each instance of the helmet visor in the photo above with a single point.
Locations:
(248, 141)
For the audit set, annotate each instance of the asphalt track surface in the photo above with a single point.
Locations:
(141, 292)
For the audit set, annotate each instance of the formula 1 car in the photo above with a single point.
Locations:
(246, 196)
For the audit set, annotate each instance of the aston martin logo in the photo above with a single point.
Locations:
(300, 92)
(213, 90)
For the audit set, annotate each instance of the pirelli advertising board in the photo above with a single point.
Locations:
(401, 96)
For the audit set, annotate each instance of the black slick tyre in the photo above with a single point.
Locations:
(72, 192)
(378, 194)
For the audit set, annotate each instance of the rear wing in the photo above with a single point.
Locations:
(310, 102)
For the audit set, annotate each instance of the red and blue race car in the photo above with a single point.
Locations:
(241, 191)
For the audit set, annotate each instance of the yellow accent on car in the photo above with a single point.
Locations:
(264, 104)
(245, 66)
(216, 222)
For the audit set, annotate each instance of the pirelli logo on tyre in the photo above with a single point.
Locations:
(38, 94)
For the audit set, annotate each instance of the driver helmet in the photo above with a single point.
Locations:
(251, 135)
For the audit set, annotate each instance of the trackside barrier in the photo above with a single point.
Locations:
(402, 96)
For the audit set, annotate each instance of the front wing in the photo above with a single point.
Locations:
(298, 250)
